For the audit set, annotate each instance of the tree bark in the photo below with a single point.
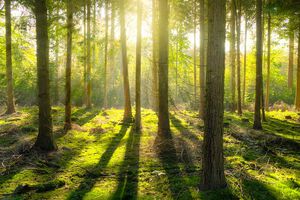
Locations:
(291, 60)
(298, 75)
(9, 71)
(112, 47)
(268, 62)
(202, 59)
(239, 19)
(258, 90)
(138, 66)
(45, 140)
(56, 70)
(195, 54)
(245, 61)
(154, 56)
(106, 55)
(213, 158)
(85, 55)
(88, 70)
(68, 65)
(127, 109)
(233, 54)
(163, 113)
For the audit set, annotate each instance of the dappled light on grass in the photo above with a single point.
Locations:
(105, 158)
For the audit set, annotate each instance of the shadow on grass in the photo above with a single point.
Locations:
(84, 115)
(128, 177)
(91, 177)
(166, 152)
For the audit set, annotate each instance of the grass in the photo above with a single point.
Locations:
(102, 158)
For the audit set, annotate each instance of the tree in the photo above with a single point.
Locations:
(9, 71)
(268, 61)
(202, 60)
(163, 65)
(258, 90)
(106, 54)
(154, 56)
(127, 109)
(195, 51)
(298, 74)
(85, 96)
(238, 20)
(233, 53)
(213, 158)
(245, 60)
(138, 66)
(88, 55)
(291, 59)
(45, 140)
(68, 65)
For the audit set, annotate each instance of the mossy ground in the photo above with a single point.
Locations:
(102, 158)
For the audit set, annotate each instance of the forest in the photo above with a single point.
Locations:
(150, 99)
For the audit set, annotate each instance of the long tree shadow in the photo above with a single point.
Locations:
(91, 177)
(84, 115)
(128, 176)
(166, 152)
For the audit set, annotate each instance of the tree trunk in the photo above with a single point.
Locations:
(112, 46)
(88, 70)
(213, 158)
(127, 109)
(106, 54)
(85, 55)
(245, 61)
(56, 70)
(291, 60)
(202, 59)
(239, 99)
(68, 65)
(268, 62)
(258, 90)
(138, 66)
(45, 140)
(298, 75)
(195, 53)
(163, 112)
(233, 54)
(9, 73)
(154, 56)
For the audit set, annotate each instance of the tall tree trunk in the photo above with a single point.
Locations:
(268, 61)
(127, 109)
(291, 59)
(138, 66)
(88, 70)
(213, 158)
(233, 54)
(85, 54)
(262, 103)
(45, 140)
(68, 65)
(9, 72)
(258, 90)
(106, 54)
(154, 56)
(195, 53)
(245, 61)
(112, 46)
(56, 70)
(298, 75)
(239, 19)
(163, 71)
(202, 59)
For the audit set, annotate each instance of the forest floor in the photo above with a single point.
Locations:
(103, 158)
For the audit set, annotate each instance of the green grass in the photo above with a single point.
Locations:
(102, 158)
